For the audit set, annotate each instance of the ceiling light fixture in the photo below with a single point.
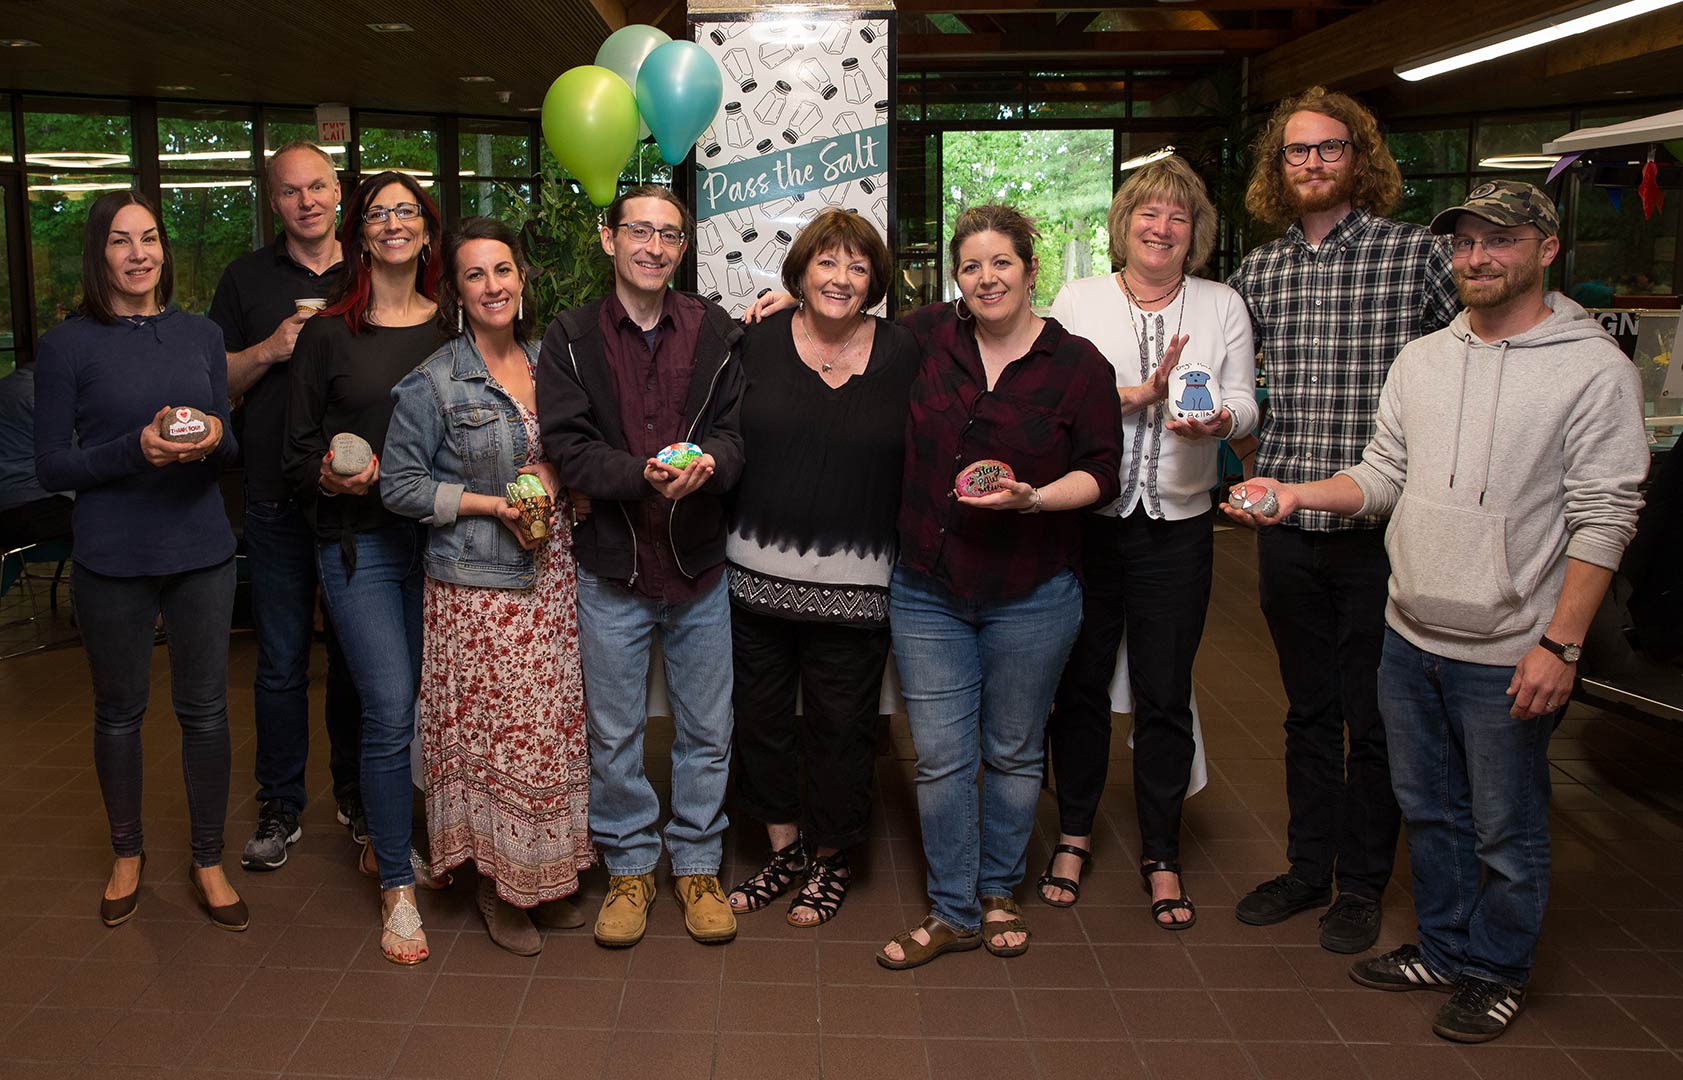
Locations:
(1519, 161)
(176, 89)
(476, 78)
(391, 28)
(1145, 159)
(208, 155)
(1567, 24)
(76, 159)
(18, 43)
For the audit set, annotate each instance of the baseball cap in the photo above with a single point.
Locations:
(1504, 202)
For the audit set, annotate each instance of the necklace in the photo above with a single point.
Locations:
(1155, 299)
(1134, 302)
(835, 357)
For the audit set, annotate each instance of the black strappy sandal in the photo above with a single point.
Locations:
(777, 877)
(824, 891)
(1160, 908)
(1047, 881)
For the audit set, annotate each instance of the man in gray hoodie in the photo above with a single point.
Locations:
(1508, 451)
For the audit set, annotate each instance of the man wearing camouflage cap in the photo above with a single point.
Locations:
(1507, 453)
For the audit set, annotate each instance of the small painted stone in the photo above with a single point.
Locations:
(1257, 500)
(351, 454)
(183, 425)
(526, 486)
(1193, 393)
(679, 455)
(982, 477)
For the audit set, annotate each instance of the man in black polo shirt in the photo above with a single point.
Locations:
(259, 305)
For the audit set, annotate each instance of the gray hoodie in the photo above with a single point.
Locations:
(1497, 462)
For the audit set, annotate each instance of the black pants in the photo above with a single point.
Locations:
(1324, 596)
(1151, 579)
(117, 617)
(816, 767)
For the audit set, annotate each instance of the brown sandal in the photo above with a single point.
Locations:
(998, 928)
(942, 939)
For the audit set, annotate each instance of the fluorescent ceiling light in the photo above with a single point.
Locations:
(208, 184)
(325, 150)
(391, 28)
(18, 43)
(476, 78)
(1145, 159)
(76, 159)
(1519, 161)
(79, 187)
(1577, 21)
(208, 155)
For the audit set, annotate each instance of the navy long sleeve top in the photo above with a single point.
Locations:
(96, 385)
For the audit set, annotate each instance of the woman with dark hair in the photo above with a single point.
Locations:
(346, 361)
(502, 696)
(131, 413)
(809, 551)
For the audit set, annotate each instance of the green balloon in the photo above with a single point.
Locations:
(623, 54)
(590, 125)
(1676, 148)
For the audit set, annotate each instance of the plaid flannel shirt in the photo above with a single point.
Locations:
(1328, 321)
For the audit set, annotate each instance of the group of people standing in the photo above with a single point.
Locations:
(820, 527)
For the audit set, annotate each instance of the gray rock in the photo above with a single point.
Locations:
(351, 454)
(183, 425)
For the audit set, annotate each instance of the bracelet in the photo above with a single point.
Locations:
(1034, 509)
(323, 489)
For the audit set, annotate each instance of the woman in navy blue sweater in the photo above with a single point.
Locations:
(151, 533)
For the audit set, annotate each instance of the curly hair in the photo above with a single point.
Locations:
(1173, 181)
(1378, 183)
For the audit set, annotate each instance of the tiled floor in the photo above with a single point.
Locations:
(1102, 993)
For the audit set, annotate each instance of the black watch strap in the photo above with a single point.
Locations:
(1568, 651)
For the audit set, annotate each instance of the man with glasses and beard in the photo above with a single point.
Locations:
(1507, 453)
(1332, 302)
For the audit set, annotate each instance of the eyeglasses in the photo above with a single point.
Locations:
(1494, 246)
(403, 211)
(642, 232)
(1330, 150)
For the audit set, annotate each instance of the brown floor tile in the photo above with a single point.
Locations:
(765, 1057)
(842, 963)
(1243, 967)
(575, 955)
(1661, 1017)
(651, 1054)
(479, 1000)
(1087, 1059)
(1064, 966)
(1195, 1061)
(868, 1010)
(284, 994)
(573, 1003)
(348, 1048)
(1273, 1014)
(670, 1007)
(1584, 1021)
(441, 1052)
(533, 1053)
(749, 960)
(965, 1059)
(393, 997)
(1361, 1015)
(768, 1009)
(873, 1058)
(190, 988)
(1302, 1061)
(106, 982)
(1147, 967)
(969, 1014)
(1500, 1061)
(1068, 1014)
(677, 959)
(1628, 1064)
(57, 1035)
(241, 1042)
(1170, 1014)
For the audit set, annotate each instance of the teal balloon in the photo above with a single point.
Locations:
(623, 54)
(590, 125)
(679, 88)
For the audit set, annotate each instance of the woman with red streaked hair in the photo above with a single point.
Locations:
(376, 330)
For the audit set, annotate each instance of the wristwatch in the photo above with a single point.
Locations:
(1568, 652)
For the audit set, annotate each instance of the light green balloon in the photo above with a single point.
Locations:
(1676, 148)
(623, 55)
(590, 125)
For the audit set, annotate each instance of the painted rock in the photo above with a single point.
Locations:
(527, 495)
(351, 454)
(981, 477)
(183, 425)
(1193, 393)
(679, 455)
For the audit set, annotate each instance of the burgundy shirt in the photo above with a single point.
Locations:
(1053, 411)
(652, 384)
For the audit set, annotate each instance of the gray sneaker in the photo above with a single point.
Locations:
(266, 850)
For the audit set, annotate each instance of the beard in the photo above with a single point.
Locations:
(1520, 279)
(1343, 187)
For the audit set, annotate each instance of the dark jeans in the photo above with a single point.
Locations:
(1152, 580)
(117, 617)
(1323, 594)
(378, 610)
(1474, 787)
(280, 551)
(819, 761)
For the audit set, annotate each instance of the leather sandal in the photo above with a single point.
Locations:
(1047, 881)
(998, 928)
(824, 891)
(1163, 907)
(942, 939)
(787, 866)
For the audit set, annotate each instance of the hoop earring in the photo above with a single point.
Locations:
(962, 310)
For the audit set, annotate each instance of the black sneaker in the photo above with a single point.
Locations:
(1479, 1010)
(353, 817)
(1400, 969)
(266, 850)
(1278, 900)
(1351, 924)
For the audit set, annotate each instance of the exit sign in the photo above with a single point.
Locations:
(333, 124)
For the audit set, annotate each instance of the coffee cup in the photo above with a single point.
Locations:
(310, 305)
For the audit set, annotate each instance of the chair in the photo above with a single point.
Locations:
(14, 565)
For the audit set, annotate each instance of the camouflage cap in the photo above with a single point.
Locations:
(1504, 202)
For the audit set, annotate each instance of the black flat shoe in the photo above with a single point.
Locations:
(233, 916)
(119, 911)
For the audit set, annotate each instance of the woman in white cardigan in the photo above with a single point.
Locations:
(1147, 556)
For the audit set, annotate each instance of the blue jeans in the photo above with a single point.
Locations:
(978, 679)
(1473, 783)
(616, 627)
(377, 608)
(118, 620)
(280, 550)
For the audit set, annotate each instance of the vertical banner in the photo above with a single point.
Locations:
(805, 124)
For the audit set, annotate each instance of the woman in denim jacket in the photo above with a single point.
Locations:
(502, 698)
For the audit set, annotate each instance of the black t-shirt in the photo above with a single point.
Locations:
(341, 382)
(255, 295)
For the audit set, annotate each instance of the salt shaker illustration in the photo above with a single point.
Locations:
(867, 35)
(737, 279)
(704, 282)
(709, 143)
(777, 53)
(835, 38)
(816, 78)
(847, 123)
(858, 90)
(721, 34)
(881, 107)
(743, 224)
(707, 238)
(769, 110)
(764, 146)
(879, 211)
(1193, 391)
(737, 130)
(880, 59)
(737, 66)
(801, 123)
(777, 208)
(771, 255)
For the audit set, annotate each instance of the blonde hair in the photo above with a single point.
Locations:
(1378, 183)
(1173, 181)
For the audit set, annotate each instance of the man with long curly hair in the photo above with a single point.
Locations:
(1332, 302)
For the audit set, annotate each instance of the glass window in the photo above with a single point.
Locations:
(918, 179)
(1422, 199)
(1616, 251)
(911, 97)
(58, 210)
(405, 143)
(1522, 137)
(495, 198)
(1061, 179)
(1429, 151)
(1055, 98)
(281, 126)
(8, 333)
(211, 223)
(646, 167)
(68, 133)
(8, 148)
(211, 137)
(493, 148)
(969, 97)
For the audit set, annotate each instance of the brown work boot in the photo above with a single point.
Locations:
(625, 910)
(707, 914)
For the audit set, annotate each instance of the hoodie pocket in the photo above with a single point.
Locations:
(1449, 569)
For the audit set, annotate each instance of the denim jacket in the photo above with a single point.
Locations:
(451, 431)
